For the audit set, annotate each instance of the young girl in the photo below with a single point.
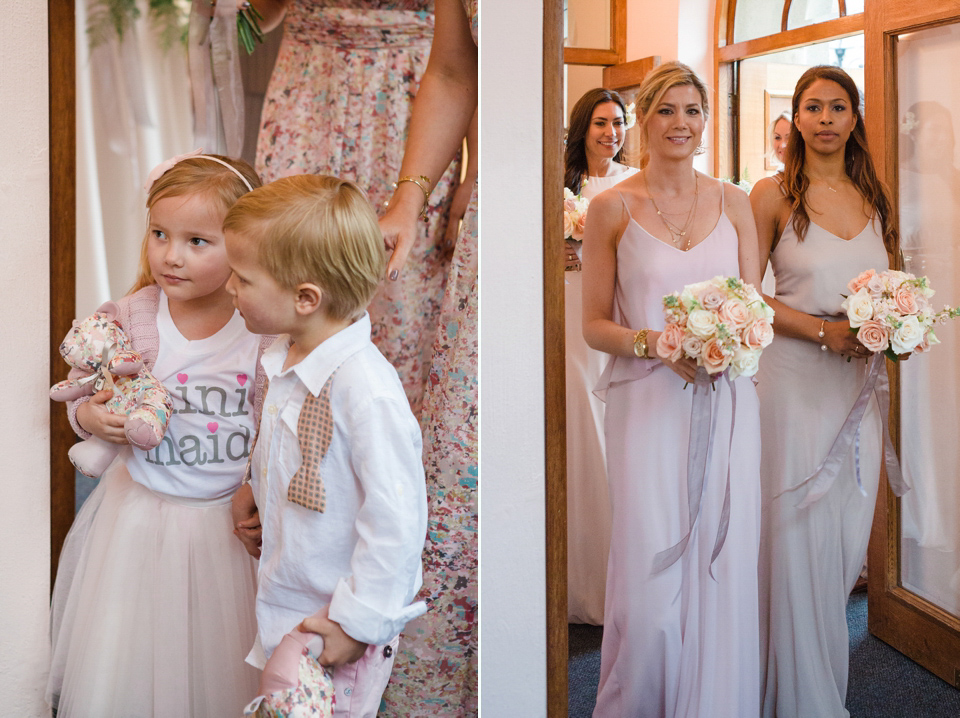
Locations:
(153, 609)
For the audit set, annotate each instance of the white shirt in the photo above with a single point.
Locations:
(204, 451)
(362, 554)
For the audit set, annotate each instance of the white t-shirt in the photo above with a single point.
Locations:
(204, 452)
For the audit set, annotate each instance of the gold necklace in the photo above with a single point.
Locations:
(829, 187)
(677, 233)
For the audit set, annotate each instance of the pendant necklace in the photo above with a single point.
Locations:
(677, 233)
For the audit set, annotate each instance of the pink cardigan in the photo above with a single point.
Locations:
(138, 317)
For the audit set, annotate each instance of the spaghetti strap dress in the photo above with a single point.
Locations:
(680, 643)
(811, 557)
(588, 503)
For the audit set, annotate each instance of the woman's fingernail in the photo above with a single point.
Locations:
(394, 274)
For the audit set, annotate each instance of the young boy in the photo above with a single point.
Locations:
(336, 470)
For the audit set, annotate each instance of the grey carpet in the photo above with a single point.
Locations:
(883, 682)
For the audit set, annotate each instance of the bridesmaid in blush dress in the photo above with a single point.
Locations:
(822, 223)
(592, 158)
(682, 642)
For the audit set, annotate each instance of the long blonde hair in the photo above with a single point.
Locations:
(654, 86)
(195, 175)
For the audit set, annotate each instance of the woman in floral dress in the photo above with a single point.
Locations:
(339, 103)
(435, 674)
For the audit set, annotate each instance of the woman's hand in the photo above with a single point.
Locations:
(399, 225)
(95, 417)
(246, 519)
(684, 367)
(338, 647)
(571, 262)
(838, 338)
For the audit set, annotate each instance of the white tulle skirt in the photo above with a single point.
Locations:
(153, 608)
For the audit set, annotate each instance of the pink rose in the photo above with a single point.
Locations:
(905, 299)
(758, 335)
(567, 225)
(692, 345)
(734, 313)
(579, 226)
(711, 297)
(669, 342)
(715, 357)
(873, 335)
(860, 281)
(570, 204)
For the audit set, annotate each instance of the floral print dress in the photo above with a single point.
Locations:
(435, 674)
(338, 103)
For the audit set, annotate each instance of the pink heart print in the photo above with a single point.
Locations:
(241, 379)
(212, 427)
(182, 378)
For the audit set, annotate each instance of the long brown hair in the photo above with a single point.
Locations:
(857, 160)
(575, 157)
(196, 175)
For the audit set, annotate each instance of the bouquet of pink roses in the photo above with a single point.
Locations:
(723, 323)
(890, 312)
(574, 213)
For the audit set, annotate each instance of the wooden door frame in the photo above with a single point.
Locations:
(895, 615)
(61, 48)
(554, 374)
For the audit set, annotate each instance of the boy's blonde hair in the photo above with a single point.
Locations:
(195, 175)
(315, 229)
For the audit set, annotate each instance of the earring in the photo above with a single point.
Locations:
(700, 149)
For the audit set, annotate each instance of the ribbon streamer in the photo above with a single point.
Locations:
(703, 425)
(819, 482)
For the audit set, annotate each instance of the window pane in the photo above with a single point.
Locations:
(810, 12)
(766, 88)
(757, 18)
(586, 23)
(928, 89)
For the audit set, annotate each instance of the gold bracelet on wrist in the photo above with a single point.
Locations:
(821, 335)
(640, 348)
(421, 181)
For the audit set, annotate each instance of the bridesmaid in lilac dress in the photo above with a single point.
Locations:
(822, 223)
(682, 641)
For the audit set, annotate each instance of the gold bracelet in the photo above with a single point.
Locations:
(640, 348)
(417, 181)
(821, 335)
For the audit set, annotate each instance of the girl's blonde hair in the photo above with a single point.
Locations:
(654, 86)
(772, 130)
(318, 230)
(195, 175)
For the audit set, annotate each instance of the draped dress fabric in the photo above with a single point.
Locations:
(811, 557)
(679, 643)
(588, 502)
(339, 103)
(435, 673)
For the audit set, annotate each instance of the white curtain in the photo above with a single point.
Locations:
(133, 111)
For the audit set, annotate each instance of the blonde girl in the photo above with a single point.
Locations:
(153, 609)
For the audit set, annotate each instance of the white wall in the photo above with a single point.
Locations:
(24, 326)
(513, 586)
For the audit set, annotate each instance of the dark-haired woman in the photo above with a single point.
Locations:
(593, 164)
(826, 220)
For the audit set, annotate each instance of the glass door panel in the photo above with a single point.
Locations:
(928, 78)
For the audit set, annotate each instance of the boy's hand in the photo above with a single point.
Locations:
(96, 418)
(246, 520)
(338, 647)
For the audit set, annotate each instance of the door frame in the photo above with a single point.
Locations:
(914, 626)
(61, 49)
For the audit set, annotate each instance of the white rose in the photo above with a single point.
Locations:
(907, 337)
(859, 307)
(702, 323)
(745, 362)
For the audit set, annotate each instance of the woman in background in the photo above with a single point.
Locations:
(339, 103)
(593, 162)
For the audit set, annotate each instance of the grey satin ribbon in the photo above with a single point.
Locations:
(818, 483)
(703, 425)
